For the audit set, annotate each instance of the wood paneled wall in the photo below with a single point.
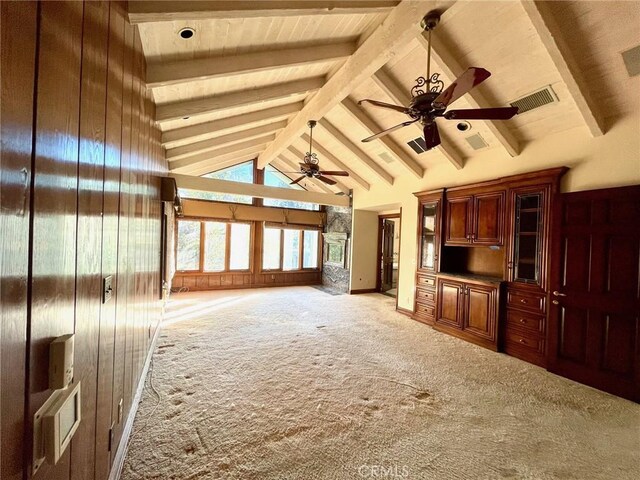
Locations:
(80, 201)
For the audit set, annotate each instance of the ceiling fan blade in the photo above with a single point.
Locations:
(470, 78)
(501, 113)
(389, 130)
(326, 180)
(397, 108)
(297, 180)
(338, 173)
(431, 135)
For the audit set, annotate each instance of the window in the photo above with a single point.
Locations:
(188, 257)
(242, 172)
(210, 246)
(274, 178)
(289, 249)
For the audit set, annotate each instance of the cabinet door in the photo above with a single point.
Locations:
(488, 219)
(458, 221)
(480, 310)
(450, 303)
(429, 236)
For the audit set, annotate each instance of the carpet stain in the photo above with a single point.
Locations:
(250, 390)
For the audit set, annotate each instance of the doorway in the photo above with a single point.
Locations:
(389, 254)
(594, 320)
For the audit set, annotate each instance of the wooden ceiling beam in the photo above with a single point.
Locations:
(550, 33)
(204, 169)
(163, 11)
(213, 155)
(397, 95)
(380, 172)
(213, 143)
(340, 165)
(450, 67)
(183, 71)
(255, 190)
(401, 25)
(202, 131)
(252, 96)
(389, 143)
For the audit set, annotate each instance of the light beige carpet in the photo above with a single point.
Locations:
(294, 383)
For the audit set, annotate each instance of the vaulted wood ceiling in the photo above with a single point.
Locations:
(253, 74)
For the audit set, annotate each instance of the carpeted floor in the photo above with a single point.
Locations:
(294, 383)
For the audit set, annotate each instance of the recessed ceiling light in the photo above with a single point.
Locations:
(187, 33)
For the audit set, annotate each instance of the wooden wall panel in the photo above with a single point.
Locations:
(18, 25)
(81, 201)
(54, 208)
(93, 90)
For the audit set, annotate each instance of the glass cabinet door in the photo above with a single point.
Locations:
(527, 238)
(428, 246)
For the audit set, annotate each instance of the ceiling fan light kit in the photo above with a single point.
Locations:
(430, 100)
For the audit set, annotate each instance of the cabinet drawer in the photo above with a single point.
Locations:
(533, 302)
(526, 321)
(425, 310)
(524, 341)
(426, 281)
(425, 296)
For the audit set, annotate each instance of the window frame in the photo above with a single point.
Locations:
(227, 253)
(301, 229)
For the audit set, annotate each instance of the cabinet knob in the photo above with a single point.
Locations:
(522, 320)
(509, 264)
(555, 302)
(522, 340)
(523, 300)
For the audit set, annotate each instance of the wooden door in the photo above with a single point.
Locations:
(488, 219)
(595, 307)
(387, 254)
(480, 307)
(450, 303)
(458, 220)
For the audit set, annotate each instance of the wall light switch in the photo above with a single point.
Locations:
(107, 289)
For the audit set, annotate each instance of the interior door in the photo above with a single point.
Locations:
(387, 254)
(594, 310)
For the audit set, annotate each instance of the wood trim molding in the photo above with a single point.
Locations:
(405, 311)
(362, 290)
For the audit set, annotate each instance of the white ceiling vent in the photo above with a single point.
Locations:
(386, 157)
(536, 99)
(631, 60)
(477, 142)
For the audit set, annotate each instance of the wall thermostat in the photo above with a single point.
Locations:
(55, 424)
(61, 362)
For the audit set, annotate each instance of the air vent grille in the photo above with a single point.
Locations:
(386, 157)
(535, 100)
(631, 60)
(418, 145)
(477, 142)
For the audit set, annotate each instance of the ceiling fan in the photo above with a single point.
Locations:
(311, 167)
(431, 102)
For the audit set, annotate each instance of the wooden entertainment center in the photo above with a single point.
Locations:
(483, 261)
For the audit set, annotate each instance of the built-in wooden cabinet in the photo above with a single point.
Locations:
(474, 218)
(468, 308)
(428, 261)
(504, 227)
